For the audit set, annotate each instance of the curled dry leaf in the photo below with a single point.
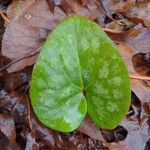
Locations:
(89, 128)
(136, 11)
(142, 90)
(27, 29)
(139, 39)
(141, 63)
(136, 138)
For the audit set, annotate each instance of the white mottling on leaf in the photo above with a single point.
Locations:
(86, 74)
(85, 43)
(70, 38)
(104, 71)
(100, 90)
(112, 106)
(115, 81)
(117, 94)
(95, 43)
(99, 110)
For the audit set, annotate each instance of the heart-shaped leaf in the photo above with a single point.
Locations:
(79, 70)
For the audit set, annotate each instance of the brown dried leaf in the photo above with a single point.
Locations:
(29, 26)
(14, 81)
(7, 127)
(1, 36)
(8, 101)
(127, 53)
(89, 128)
(136, 138)
(131, 43)
(31, 144)
(135, 43)
(142, 90)
(141, 63)
(136, 11)
(138, 39)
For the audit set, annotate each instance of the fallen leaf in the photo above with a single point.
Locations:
(15, 80)
(141, 63)
(28, 29)
(89, 128)
(127, 24)
(127, 53)
(8, 101)
(62, 4)
(136, 11)
(31, 143)
(142, 90)
(132, 43)
(46, 135)
(139, 39)
(137, 125)
(134, 46)
(7, 127)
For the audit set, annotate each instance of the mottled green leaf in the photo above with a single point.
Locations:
(79, 71)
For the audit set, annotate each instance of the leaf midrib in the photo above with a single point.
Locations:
(76, 45)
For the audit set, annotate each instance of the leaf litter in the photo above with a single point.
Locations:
(26, 32)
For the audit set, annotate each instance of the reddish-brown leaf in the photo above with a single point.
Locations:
(30, 23)
(136, 11)
(89, 128)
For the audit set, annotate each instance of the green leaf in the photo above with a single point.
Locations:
(79, 70)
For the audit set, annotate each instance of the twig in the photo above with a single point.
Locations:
(111, 30)
(21, 58)
(140, 77)
(29, 114)
(4, 17)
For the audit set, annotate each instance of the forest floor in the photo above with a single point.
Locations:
(24, 26)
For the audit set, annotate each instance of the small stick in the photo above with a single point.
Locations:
(111, 30)
(4, 17)
(140, 77)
